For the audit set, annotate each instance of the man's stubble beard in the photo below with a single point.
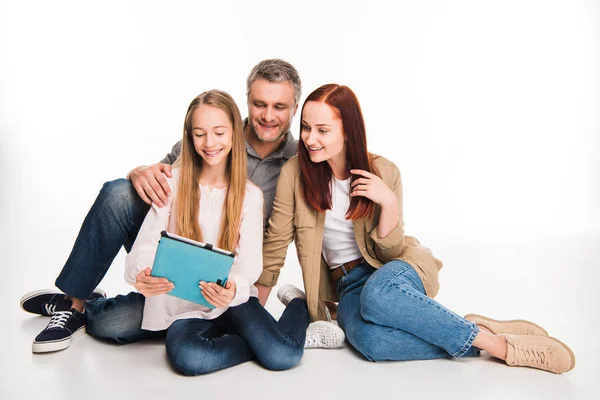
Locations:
(254, 132)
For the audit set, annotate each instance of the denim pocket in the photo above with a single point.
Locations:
(356, 276)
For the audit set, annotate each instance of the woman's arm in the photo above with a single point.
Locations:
(280, 231)
(389, 233)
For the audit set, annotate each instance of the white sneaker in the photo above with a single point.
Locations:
(288, 293)
(324, 335)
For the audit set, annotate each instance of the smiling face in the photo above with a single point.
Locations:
(323, 134)
(270, 109)
(212, 133)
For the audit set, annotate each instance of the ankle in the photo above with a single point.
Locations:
(501, 347)
(495, 345)
(77, 304)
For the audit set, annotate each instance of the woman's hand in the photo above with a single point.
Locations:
(216, 295)
(151, 285)
(372, 187)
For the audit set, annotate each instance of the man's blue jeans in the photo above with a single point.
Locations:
(197, 346)
(387, 316)
(113, 221)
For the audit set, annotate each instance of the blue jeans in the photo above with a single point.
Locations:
(113, 221)
(197, 346)
(387, 316)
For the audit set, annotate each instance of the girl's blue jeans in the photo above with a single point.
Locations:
(198, 346)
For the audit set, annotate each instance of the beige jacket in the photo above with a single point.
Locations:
(294, 219)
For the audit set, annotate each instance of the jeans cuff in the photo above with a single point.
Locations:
(469, 343)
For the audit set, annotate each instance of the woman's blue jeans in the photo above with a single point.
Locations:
(387, 316)
(198, 346)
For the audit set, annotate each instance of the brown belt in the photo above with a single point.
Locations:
(345, 267)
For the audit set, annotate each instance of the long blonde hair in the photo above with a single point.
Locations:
(187, 204)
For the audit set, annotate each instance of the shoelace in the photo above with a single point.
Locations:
(59, 319)
(530, 355)
(49, 308)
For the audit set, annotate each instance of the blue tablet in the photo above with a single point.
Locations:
(186, 262)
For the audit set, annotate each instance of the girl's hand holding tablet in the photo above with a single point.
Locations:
(216, 295)
(150, 285)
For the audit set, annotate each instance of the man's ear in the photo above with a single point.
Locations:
(295, 110)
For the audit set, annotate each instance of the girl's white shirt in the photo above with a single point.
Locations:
(161, 311)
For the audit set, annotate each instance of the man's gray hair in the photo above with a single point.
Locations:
(276, 71)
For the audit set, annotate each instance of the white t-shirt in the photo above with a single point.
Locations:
(339, 242)
(161, 311)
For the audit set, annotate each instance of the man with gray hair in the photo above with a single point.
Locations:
(273, 94)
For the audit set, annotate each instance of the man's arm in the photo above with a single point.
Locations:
(149, 181)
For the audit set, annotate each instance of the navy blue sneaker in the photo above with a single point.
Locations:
(66, 324)
(42, 302)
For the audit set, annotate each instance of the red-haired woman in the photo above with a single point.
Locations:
(343, 207)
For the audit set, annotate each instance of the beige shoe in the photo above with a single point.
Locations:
(514, 326)
(542, 352)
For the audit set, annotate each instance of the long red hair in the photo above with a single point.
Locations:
(315, 178)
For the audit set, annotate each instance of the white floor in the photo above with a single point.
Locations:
(551, 281)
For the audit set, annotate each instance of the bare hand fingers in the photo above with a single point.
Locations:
(156, 292)
(160, 198)
(212, 298)
(155, 287)
(212, 301)
(150, 192)
(361, 172)
(159, 289)
(212, 289)
(364, 193)
(166, 169)
(158, 189)
(152, 279)
(230, 285)
(153, 290)
(360, 187)
(360, 181)
(219, 295)
(140, 191)
(155, 180)
(161, 286)
(164, 185)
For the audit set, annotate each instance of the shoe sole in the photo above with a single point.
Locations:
(569, 350)
(519, 321)
(31, 295)
(56, 345)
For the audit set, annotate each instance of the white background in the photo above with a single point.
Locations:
(490, 109)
